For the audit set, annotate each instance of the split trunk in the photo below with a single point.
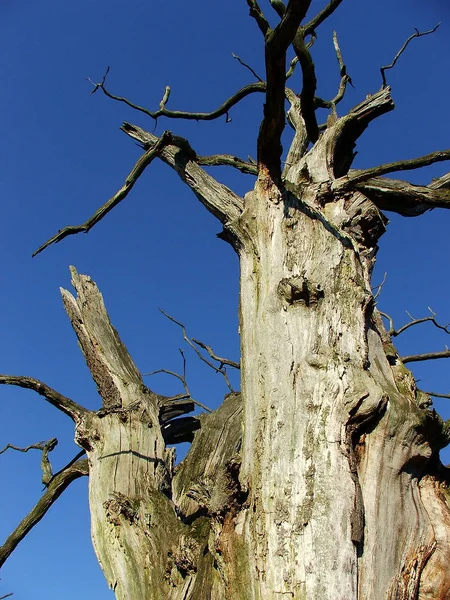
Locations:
(321, 479)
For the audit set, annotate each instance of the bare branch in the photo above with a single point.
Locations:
(292, 65)
(247, 67)
(71, 462)
(279, 7)
(341, 136)
(345, 79)
(299, 144)
(217, 198)
(428, 356)
(180, 114)
(133, 176)
(45, 448)
(308, 92)
(437, 395)
(343, 72)
(379, 287)
(391, 322)
(359, 176)
(182, 378)
(165, 98)
(191, 343)
(66, 405)
(258, 15)
(47, 471)
(431, 319)
(272, 126)
(56, 487)
(320, 17)
(405, 198)
(219, 359)
(7, 595)
(227, 160)
(402, 49)
(38, 446)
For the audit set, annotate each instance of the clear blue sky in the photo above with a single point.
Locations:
(62, 156)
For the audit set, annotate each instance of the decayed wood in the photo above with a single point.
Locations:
(148, 539)
(322, 478)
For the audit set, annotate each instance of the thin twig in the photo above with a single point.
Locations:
(185, 385)
(38, 446)
(219, 359)
(292, 65)
(219, 369)
(345, 78)
(165, 98)
(246, 66)
(7, 595)
(432, 319)
(379, 287)
(45, 448)
(402, 49)
(228, 160)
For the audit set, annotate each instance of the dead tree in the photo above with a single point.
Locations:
(321, 478)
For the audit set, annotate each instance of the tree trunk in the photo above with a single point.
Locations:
(322, 480)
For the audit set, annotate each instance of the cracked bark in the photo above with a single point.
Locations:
(322, 478)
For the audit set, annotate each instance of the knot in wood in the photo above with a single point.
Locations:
(299, 291)
(119, 505)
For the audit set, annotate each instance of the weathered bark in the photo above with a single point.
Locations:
(322, 479)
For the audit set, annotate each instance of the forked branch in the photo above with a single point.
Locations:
(431, 319)
(187, 395)
(419, 357)
(222, 361)
(181, 114)
(56, 487)
(217, 198)
(193, 344)
(66, 405)
(277, 41)
(45, 448)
